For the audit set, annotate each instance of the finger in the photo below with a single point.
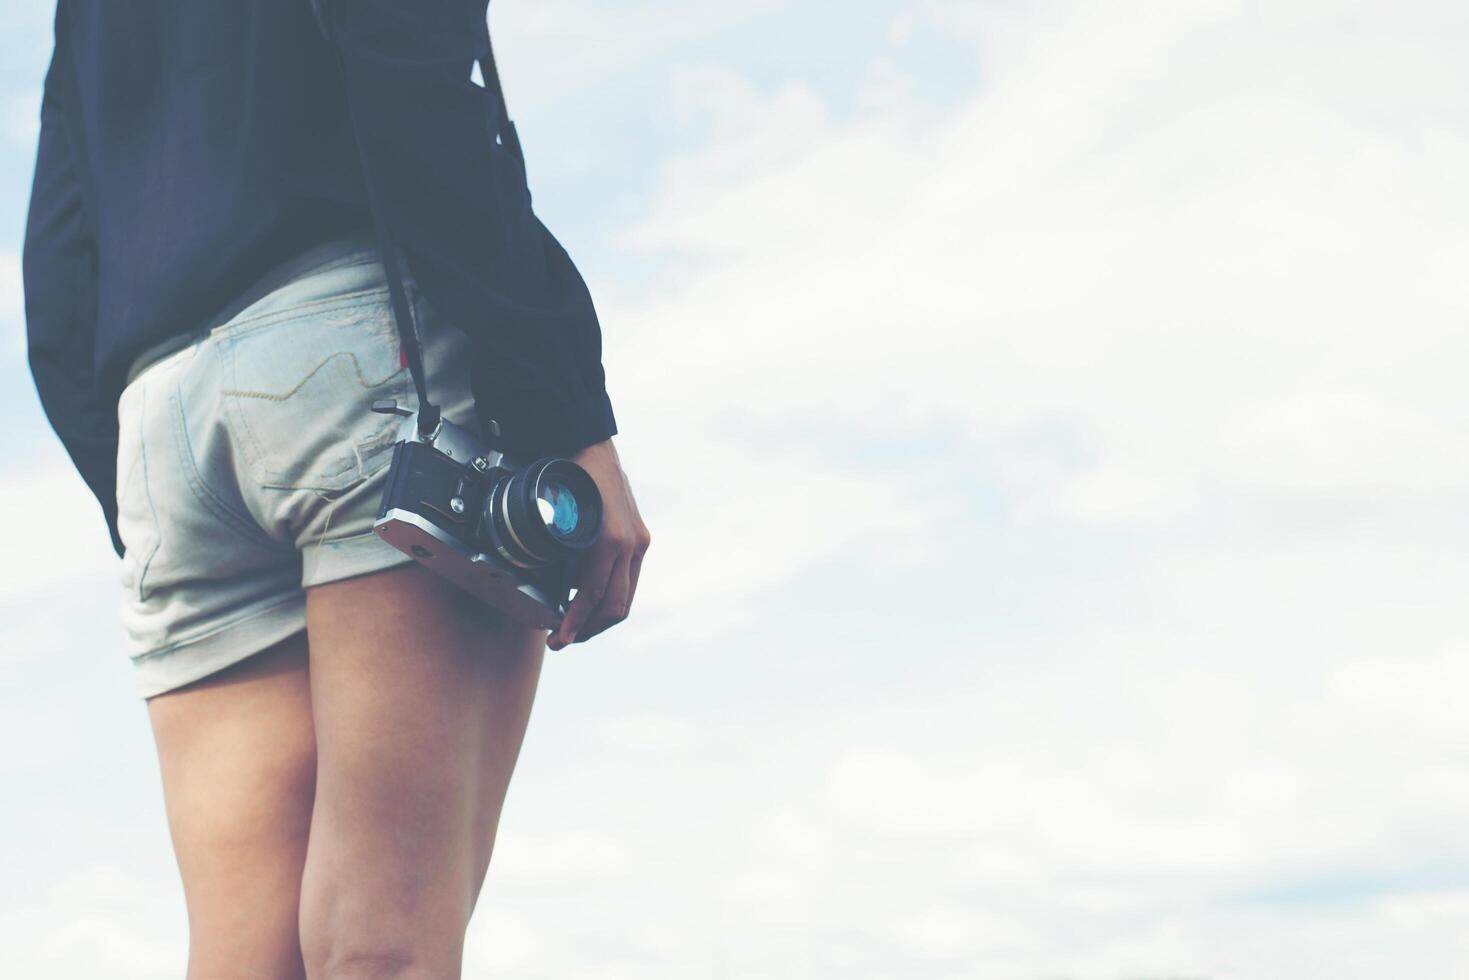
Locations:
(591, 584)
(641, 544)
(634, 566)
(613, 607)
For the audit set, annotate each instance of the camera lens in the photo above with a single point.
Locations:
(559, 509)
(544, 512)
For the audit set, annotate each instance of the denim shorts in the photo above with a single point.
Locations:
(250, 465)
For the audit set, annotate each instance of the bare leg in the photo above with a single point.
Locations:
(237, 753)
(421, 696)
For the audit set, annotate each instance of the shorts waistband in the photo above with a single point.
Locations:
(318, 258)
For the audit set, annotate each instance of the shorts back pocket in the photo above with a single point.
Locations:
(298, 389)
(137, 520)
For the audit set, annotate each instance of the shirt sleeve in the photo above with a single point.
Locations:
(454, 191)
(58, 265)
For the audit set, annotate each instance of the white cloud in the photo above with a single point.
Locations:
(1190, 271)
(63, 538)
(20, 118)
(95, 921)
(1159, 226)
(12, 297)
(720, 554)
(647, 732)
(1115, 491)
(538, 860)
(557, 48)
(1072, 833)
(101, 884)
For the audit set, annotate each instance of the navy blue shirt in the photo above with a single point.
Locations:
(189, 146)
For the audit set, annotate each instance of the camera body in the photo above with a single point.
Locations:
(507, 533)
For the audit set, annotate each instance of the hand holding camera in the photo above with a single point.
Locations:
(607, 573)
(520, 536)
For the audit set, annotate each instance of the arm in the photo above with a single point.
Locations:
(457, 200)
(59, 266)
(452, 182)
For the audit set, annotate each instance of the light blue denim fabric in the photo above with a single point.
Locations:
(250, 466)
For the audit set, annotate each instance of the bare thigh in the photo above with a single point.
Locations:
(421, 696)
(237, 754)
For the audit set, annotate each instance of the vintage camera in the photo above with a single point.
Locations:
(510, 534)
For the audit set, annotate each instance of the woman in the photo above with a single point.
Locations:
(209, 324)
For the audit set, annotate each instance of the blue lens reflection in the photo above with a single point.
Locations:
(558, 508)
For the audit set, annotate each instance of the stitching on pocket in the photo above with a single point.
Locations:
(147, 561)
(282, 396)
(206, 495)
(328, 475)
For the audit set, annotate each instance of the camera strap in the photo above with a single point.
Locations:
(428, 413)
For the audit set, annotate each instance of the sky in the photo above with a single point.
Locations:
(1050, 420)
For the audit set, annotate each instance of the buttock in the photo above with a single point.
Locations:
(251, 466)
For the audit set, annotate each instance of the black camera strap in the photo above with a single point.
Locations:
(428, 413)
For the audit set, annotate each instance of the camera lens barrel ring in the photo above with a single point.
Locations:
(524, 512)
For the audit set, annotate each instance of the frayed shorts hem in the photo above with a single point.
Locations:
(162, 671)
